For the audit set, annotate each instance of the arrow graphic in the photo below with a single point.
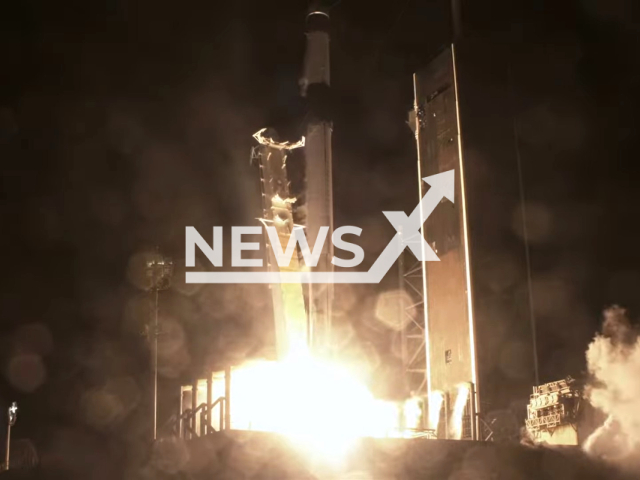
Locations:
(442, 186)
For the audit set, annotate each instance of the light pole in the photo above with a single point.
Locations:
(159, 271)
(12, 416)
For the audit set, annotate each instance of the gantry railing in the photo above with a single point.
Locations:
(196, 418)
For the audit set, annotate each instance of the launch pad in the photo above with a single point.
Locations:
(468, 357)
(267, 456)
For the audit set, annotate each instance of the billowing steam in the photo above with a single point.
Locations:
(613, 359)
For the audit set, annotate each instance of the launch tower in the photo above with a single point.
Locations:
(478, 335)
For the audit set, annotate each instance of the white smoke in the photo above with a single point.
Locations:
(613, 359)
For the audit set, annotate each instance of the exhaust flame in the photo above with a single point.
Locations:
(320, 404)
(436, 399)
(458, 411)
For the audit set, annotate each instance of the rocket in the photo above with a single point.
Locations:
(314, 86)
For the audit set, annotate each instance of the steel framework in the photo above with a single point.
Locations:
(412, 335)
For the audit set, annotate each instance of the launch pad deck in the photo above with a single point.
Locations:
(262, 456)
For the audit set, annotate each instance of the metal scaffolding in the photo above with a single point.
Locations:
(412, 335)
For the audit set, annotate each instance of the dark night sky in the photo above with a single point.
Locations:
(123, 122)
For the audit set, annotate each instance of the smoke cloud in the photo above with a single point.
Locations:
(613, 359)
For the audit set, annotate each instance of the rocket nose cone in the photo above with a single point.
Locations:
(318, 7)
(317, 20)
(317, 16)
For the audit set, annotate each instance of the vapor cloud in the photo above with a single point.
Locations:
(613, 359)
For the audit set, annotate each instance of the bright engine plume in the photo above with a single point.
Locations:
(321, 405)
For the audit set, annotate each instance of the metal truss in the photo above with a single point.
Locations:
(412, 337)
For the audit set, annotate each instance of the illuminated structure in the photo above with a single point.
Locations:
(209, 408)
(318, 160)
(553, 413)
(302, 317)
(470, 356)
(277, 396)
(478, 341)
(411, 337)
(289, 313)
(12, 416)
(159, 270)
(451, 357)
